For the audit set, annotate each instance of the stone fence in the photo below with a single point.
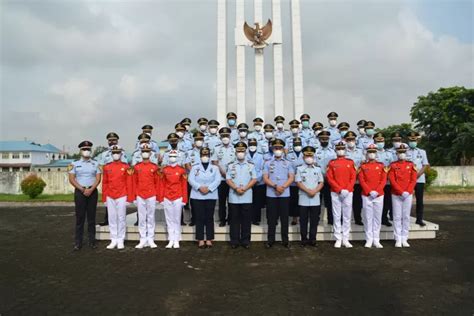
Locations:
(57, 181)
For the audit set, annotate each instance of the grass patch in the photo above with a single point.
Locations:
(450, 189)
(40, 198)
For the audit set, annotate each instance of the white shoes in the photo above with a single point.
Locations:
(141, 244)
(176, 244)
(347, 244)
(338, 244)
(169, 245)
(377, 244)
(112, 244)
(120, 245)
(152, 244)
(405, 244)
(368, 244)
(398, 244)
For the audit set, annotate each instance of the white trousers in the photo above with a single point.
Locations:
(173, 218)
(401, 216)
(117, 211)
(341, 208)
(372, 217)
(146, 218)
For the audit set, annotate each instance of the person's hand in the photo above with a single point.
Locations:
(204, 190)
(374, 194)
(87, 192)
(405, 195)
(344, 193)
(240, 191)
(280, 189)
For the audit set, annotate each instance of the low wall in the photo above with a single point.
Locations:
(57, 181)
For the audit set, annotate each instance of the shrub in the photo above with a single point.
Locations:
(32, 186)
(431, 175)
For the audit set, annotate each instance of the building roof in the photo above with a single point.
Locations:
(57, 163)
(27, 146)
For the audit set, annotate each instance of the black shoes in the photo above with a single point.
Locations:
(256, 223)
(136, 223)
(92, 245)
(77, 247)
(268, 245)
(294, 222)
(222, 224)
(359, 223)
(386, 223)
(421, 223)
(246, 246)
(287, 245)
(233, 246)
(104, 224)
(191, 224)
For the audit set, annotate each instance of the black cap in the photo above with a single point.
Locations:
(402, 148)
(179, 127)
(378, 137)
(340, 145)
(371, 148)
(147, 127)
(278, 143)
(242, 126)
(112, 135)
(332, 115)
(85, 144)
(240, 146)
(268, 127)
(297, 140)
(144, 136)
(308, 151)
(279, 119)
(396, 135)
(202, 121)
(343, 125)
(186, 121)
(294, 123)
(257, 120)
(369, 124)
(350, 135)
(324, 134)
(204, 151)
(213, 123)
(317, 126)
(225, 131)
(198, 135)
(116, 149)
(305, 117)
(172, 136)
(413, 135)
(231, 115)
(253, 142)
(361, 123)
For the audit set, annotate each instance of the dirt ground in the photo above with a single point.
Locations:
(41, 275)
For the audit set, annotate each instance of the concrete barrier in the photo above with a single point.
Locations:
(57, 181)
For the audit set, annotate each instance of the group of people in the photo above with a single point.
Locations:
(283, 171)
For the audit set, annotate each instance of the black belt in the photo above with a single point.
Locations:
(87, 187)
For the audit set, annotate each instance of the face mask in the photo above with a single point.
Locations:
(225, 140)
(231, 122)
(213, 130)
(280, 125)
(278, 153)
(148, 133)
(116, 157)
(362, 131)
(412, 144)
(351, 144)
(297, 148)
(332, 122)
(369, 132)
(305, 124)
(295, 130)
(173, 159)
(258, 128)
(198, 143)
(240, 155)
(371, 156)
(205, 159)
(309, 160)
(324, 143)
(343, 133)
(186, 127)
(243, 134)
(180, 134)
(402, 156)
(253, 148)
(268, 135)
(341, 152)
(202, 127)
(86, 153)
(396, 144)
(145, 155)
(316, 132)
(380, 145)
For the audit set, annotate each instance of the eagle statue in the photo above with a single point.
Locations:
(258, 35)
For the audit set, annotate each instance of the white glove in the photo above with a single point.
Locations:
(374, 194)
(344, 193)
(105, 203)
(135, 202)
(405, 195)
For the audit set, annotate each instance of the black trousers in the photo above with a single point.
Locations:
(223, 192)
(312, 213)
(106, 216)
(258, 202)
(193, 214)
(387, 203)
(294, 210)
(86, 207)
(419, 192)
(357, 203)
(326, 194)
(204, 212)
(278, 208)
(240, 223)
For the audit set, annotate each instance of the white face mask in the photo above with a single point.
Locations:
(202, 127)
(145, 155)
(316, 132)
(295, 130)
(278, 153)
(280, 125)
(116, 156)
(297, 148)
(253, 148)
(258, 128)
(205, 159)
(173, 160)
(341, 152)
(198, 143)
(371, 156)
(213, 130)
(268, 135)
(240, 155)
(186, 127)
(351, 144)
(396, 144)
(362, 131)
(148, 133)
(402, 156)
(243, 134)
(332, 122)
(225, 140)
(180, 134)
(309, 160)
(86, 153)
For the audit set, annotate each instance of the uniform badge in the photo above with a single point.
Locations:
(130, 171)
(70, 167)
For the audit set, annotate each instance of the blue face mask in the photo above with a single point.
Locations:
(305, 123)
(412, 144)
(380, 145)
(370, 132)
(343, 133)
(231, 122)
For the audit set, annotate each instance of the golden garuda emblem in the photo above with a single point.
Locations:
(258, 35)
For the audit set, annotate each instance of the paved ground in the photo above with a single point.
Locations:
(40, 275)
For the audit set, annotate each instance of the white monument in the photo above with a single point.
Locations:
(258, 38)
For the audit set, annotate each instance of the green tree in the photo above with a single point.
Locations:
(403, 128)
(32, 186)
(445, 118)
